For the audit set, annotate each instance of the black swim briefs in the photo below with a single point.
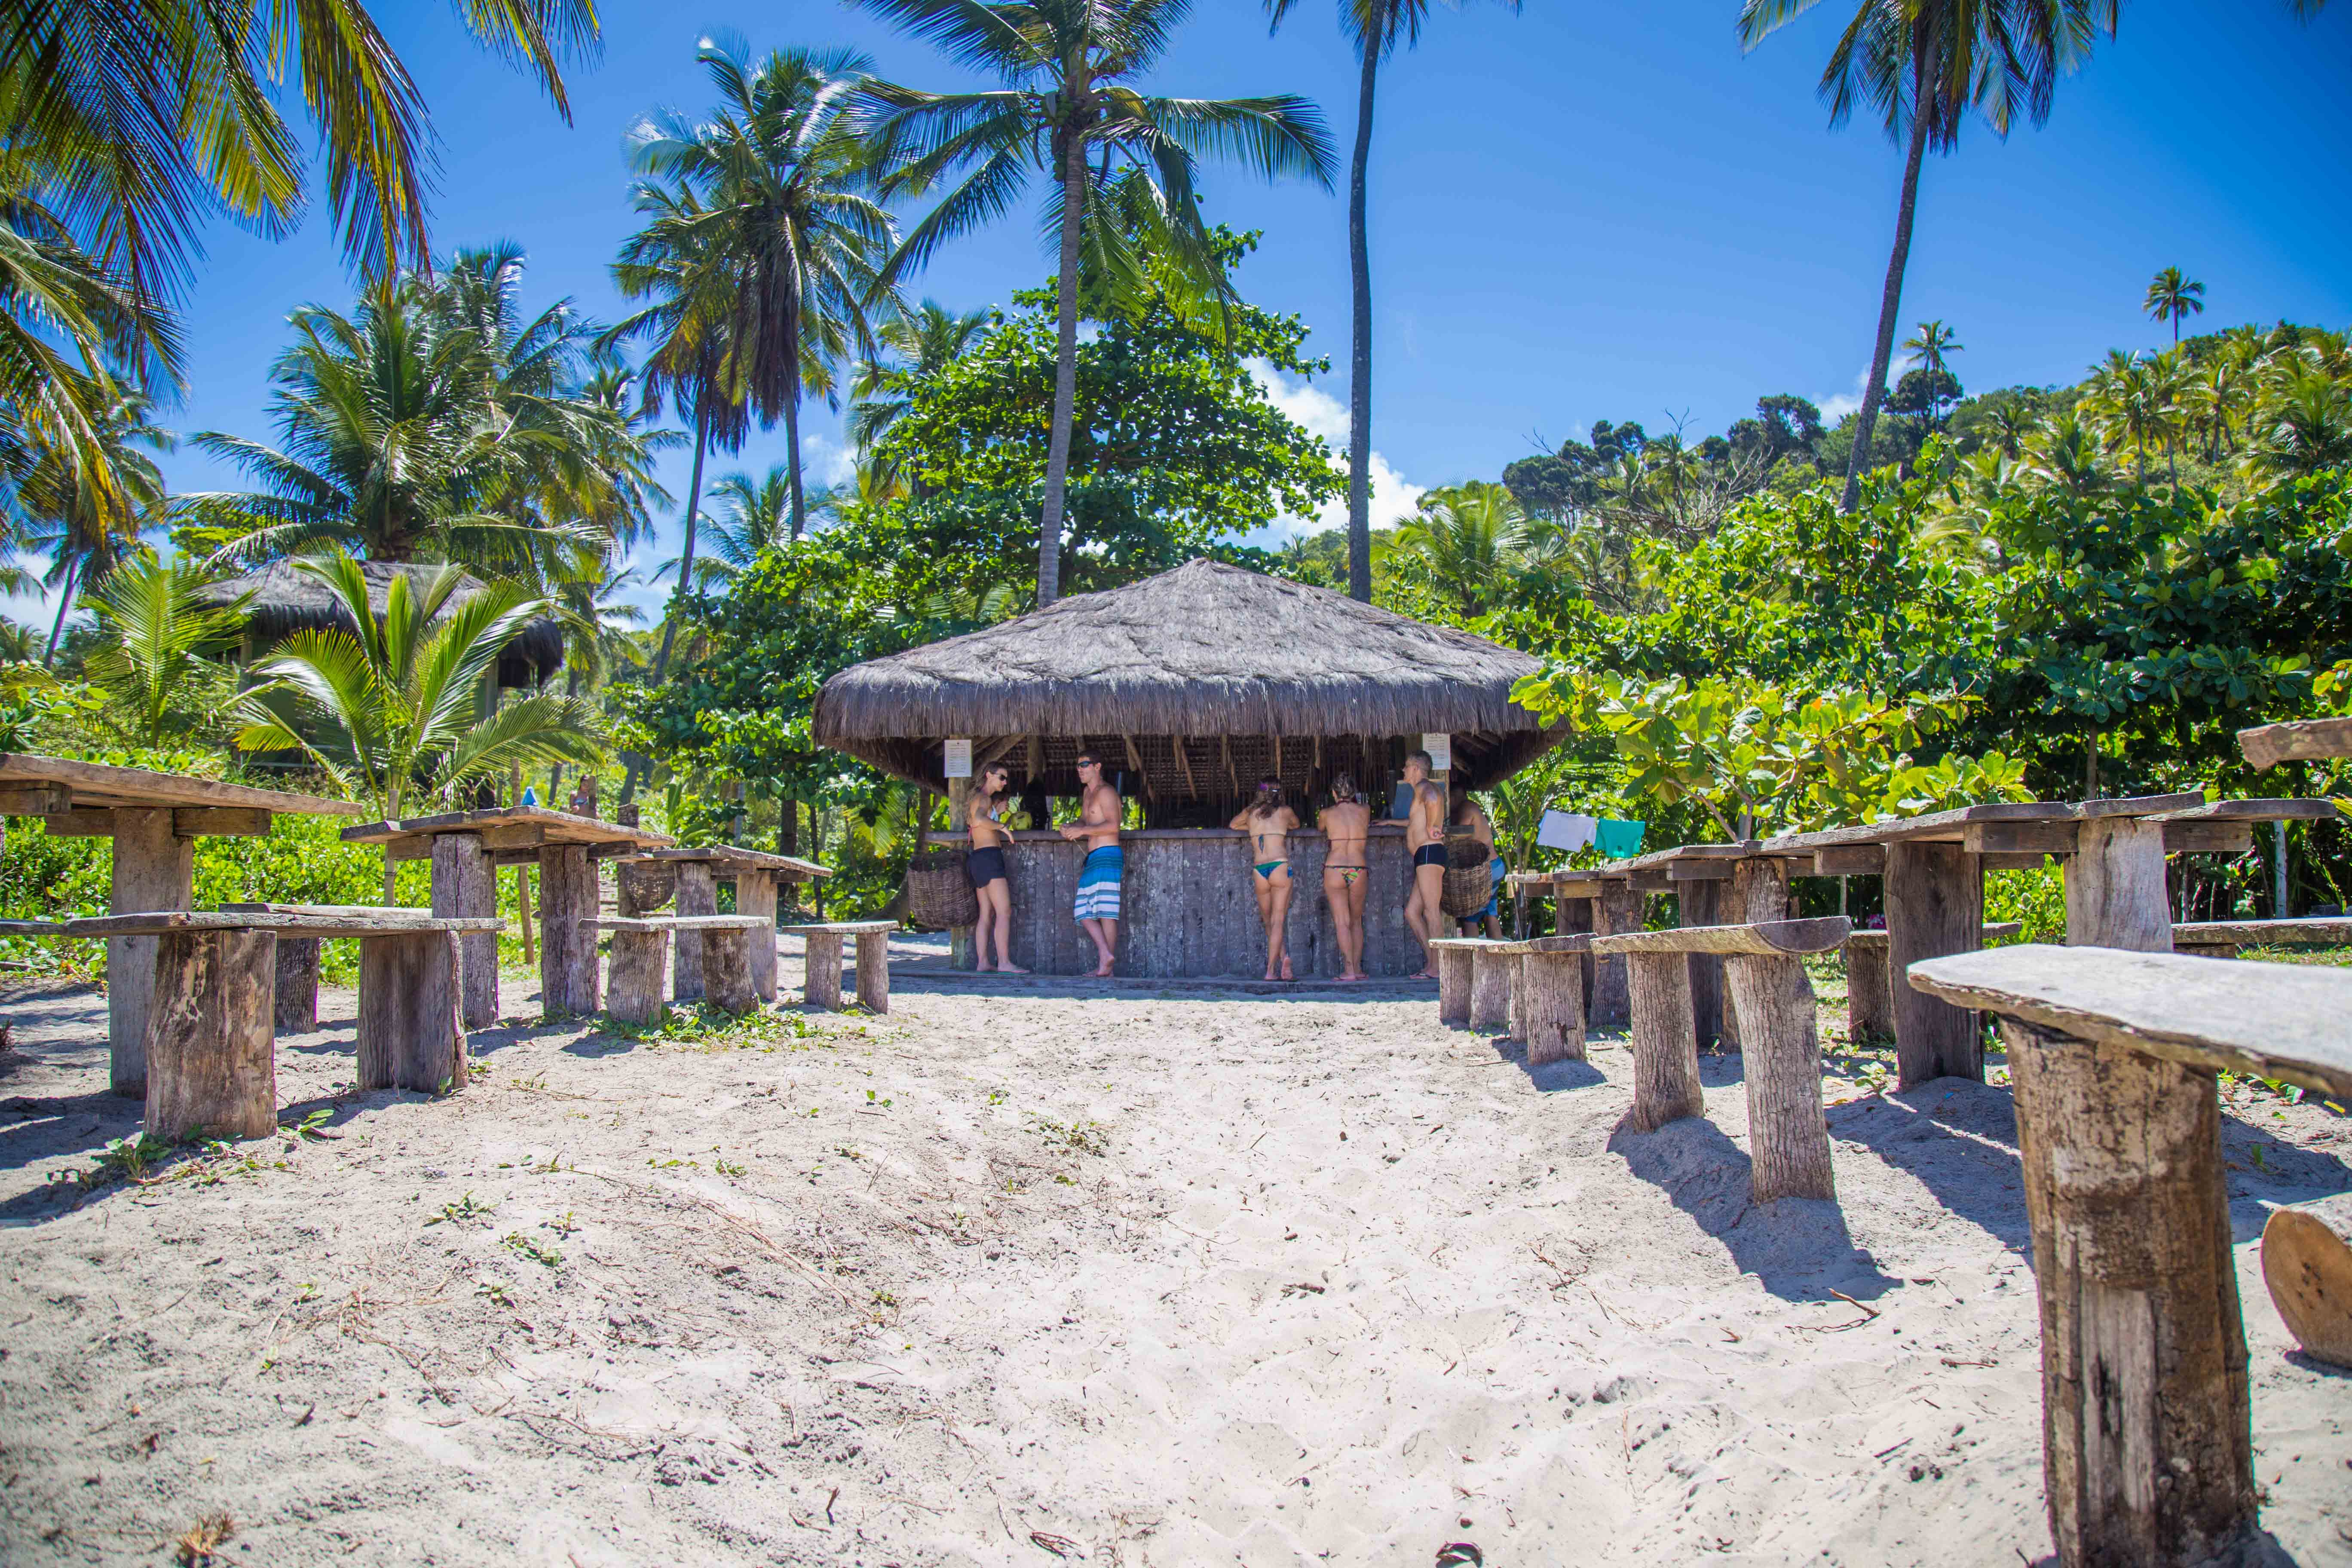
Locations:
(1430, 855)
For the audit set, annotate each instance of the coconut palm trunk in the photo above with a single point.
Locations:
(1890, 302)
(1360, 351)
(792, 460)
(686, 554)
(65, 603)
(1066, 373)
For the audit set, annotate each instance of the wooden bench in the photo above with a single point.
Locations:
(1788, 1132)
(209, 1034)
(2223, 938)
(1869, 986)
(1547, 999)
(1474, 981)
(723, 975)
(2146, 1427)
(821, 983)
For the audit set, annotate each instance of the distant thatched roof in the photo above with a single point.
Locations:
(1208, 653)
(285, 600)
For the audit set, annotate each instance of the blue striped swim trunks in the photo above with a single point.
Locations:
(1098, 881)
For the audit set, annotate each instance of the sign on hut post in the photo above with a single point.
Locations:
(1441, 757)
(956, 765)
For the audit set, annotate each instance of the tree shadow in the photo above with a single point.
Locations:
(49, 1127)
(1799, 1249)
(1958, 1138)
(1551, 1078)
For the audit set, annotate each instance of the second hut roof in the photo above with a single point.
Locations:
(285, 600)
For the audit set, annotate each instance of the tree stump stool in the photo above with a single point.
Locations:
(1452, 955)
(821, 980)
(1869, 985)
(2147, 1423)
(297, 1008)
(641, 950)
(1551, 998)
(1788, 1133)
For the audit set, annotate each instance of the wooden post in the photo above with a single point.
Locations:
(1665, 1041)
(959, 937)
(1573, 916)
(2146, 1427)
(210, 1066)
(1454, 983)
(1788, 1133)
(1515, 1025)
(1759, 895)
(2307, 1264)
(1869, 998)
(874, 971)
(633, 991)
(697, 894)
(2114, 885)
(297, 1008)
(727, 970)
(821, 982)
(522, 915)
(411, 1035)
(1701, 904)
(463, 885)
(567, 959)
(1551, 1006)
(153, 870)
(1490, 988)
(1934, 906)
(1618, 909)
(755, 894)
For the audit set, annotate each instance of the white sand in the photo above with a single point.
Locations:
(1342, 1287)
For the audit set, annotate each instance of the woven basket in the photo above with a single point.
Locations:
(938, 893)
(1468, 884)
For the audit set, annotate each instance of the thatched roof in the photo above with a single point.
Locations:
(1196, 676)
(285, 600)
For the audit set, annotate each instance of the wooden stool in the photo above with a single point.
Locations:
(2148, 1454)
(1551, 998)
(1788, 1133)
(208, 1042)
(1456, 982)
(640, 949)
(821, 983)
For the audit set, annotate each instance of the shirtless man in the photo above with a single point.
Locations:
(1347, 822)
(1096, 907)
(1269, 823)
(983, 863)
(1424, 841)
(1469, 814)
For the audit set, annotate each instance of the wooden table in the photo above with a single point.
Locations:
(1934, 868)
(1603, 900)
(466, 847)
(2301, 741)
(155, 820)
(210, 1029)
(691, 874)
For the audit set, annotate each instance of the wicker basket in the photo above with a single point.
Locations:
(1468, 883)
(938, 893)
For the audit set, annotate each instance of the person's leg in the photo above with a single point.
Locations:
(1428, 890)
(1104, 933)
(1351, 946)
(1334, 898)
(996, 907)
(1277, 922)
(1263, 888)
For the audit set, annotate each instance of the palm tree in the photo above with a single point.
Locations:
(781, 176)
(2127, 400)
(1921, 64)
(2173, 297)
(156, 635)
(2065, 454)
(1466, 541)
(1930, 343)
(1120, 162)
(143, 116)
(88, 517)
(921, 342)
(391, 707)
(2304, 425)
(1374, 27)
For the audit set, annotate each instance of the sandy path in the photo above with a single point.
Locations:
(1339, 1286)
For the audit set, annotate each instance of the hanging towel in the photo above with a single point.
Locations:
(1565, 830)
(1617, 840)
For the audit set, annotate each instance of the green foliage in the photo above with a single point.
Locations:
(153, 664)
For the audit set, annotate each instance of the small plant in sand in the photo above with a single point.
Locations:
(1076, 1137)
(562, 1227)
(846, 1153)
(708, 1030)
(521, 1246)
(130, 1159)
(876, 1104)
(729, 1168)
(199, 1542)
(465, 1209)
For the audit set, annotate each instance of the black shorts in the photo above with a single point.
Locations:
(1430, 855)
(985, 866)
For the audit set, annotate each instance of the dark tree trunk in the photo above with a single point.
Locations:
(1360, 352)
(65, 603)
(686, 554)
(792, 457)
(1890, 305)
(1065, 377)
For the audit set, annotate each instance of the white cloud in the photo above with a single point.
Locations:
(1320, 413)
(1837, 405)
(825, 461)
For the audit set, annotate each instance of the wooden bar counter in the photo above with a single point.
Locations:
(1189, 908)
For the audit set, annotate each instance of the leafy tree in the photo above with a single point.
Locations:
(89, 518)
(1069, 110)
(1465, 543)
(921, 342)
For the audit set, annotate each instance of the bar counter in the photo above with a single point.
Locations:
(1189, 908)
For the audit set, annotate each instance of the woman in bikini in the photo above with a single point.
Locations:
(1347, 822)
(1269, 824)
(984, 864)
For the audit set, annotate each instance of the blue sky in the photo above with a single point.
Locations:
(1589, 210)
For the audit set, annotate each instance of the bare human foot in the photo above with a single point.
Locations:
(1285, 968)
(1355, 977)
(1104, 973)
(1008, 968)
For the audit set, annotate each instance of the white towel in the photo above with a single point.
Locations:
(1565, 830)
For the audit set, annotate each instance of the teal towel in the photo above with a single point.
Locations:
(1617, 840)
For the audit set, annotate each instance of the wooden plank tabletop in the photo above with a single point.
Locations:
(678, 923)
(1950, 825)
(348, 920)
(103, 786)
(2300, 741)
(2325, 930)
(839, 928)
(2295, 809)
(2272, 1020)
(732, 855)
(558, 827)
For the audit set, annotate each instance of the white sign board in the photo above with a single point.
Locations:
(959, 754)
(1440, 753)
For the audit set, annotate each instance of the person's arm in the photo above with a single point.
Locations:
(1241, 819)
(1290, 822)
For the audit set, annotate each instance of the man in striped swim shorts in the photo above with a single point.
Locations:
(1097, 909)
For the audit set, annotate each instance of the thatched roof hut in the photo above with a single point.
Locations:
(1196, 683)
(285, 600)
